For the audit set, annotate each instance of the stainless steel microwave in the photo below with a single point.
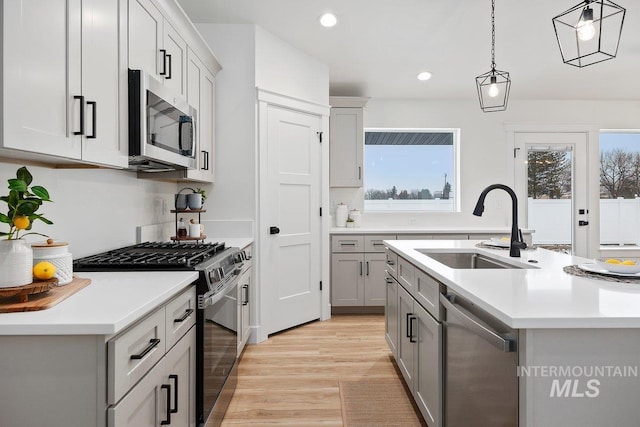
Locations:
(161, 126)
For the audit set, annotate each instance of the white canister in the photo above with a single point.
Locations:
(355, 215)
(16, 263)
(342, 212)
(57, 253)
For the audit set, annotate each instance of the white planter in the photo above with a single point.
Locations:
(16, 263)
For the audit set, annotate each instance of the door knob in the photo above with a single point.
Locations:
(274, 230)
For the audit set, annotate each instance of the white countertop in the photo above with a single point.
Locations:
(423, 230)
(109, 304)
(542, 297)
(232, 242)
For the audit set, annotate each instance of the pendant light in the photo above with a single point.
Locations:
(589, 32)
(494, 85)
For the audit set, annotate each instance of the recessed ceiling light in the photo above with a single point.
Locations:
(425, 75)
(328, 20)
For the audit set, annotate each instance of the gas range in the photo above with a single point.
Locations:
(216, 263)
(152, 256)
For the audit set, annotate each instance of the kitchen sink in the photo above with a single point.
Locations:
(470, 260)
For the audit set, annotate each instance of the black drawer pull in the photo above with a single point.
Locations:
(184, 316)
(175, 393)
(347, 244)
(378, 244)
(389, 262)
(167, 421)
(153, 343)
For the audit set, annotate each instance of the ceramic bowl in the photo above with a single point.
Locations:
(620, 268)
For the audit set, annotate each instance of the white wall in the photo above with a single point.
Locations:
(251, 57)
(94, 209)
(232, 195)
(484, 153)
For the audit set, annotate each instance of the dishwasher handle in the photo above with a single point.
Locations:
(474, 325)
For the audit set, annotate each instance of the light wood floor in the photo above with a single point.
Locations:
(292, 378)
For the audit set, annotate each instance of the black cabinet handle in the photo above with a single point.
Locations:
(389, 281)
(389, 262)
(169, 67)
(94, 119)
(184, 317)
(164, 62)
(205, 160)
(81, 131)
(167, 421)
(246, 295)
(153, 343)
(367, 268)
(411, 319)
(361, 268)
(175, 394)
(274, 230)
(409, 329)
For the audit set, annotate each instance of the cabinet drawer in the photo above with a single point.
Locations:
(427, 292)
(374, 243)
(347, 244)
(132, 354)
(180, 315)
(392, 263)
(406, 274)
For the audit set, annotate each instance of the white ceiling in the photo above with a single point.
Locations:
(379, 46)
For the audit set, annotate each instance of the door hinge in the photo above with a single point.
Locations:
(320, 211)
(319, 136)
(320, 284)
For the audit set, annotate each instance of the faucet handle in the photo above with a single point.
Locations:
(521, 243)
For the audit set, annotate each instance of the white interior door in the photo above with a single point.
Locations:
(291, 259)
(552, 197)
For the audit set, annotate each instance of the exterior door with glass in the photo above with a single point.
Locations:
(551, 183)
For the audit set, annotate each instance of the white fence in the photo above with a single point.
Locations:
(551, 220)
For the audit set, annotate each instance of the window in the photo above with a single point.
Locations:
(410, 170)
(619, 188)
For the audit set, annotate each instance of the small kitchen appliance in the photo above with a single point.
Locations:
(219, 269)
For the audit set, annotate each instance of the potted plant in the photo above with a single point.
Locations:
(23, 201)
(350, 222)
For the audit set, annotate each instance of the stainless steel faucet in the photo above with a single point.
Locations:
(517, 242)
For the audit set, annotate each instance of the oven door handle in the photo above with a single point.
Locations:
(214, 299)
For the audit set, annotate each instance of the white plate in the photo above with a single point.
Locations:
(595, 268)
(498, 243)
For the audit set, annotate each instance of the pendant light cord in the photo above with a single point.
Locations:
(493, 35)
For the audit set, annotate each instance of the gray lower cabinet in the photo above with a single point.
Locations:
(138, 377)
(165, 396)
(391, 317)
(358, 265)
(418, 349)
(165, 392)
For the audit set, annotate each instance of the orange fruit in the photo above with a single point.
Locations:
(612, 261)
(21, 222)
(44, 270)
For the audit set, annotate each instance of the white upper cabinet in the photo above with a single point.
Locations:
(156, 47)
(61, 80)
(346, 141)
(201, 94)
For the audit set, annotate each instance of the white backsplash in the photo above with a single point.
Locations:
(95, 209)
(214, 230)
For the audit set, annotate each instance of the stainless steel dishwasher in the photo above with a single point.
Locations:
(481, 360)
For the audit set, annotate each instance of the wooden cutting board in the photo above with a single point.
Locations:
(44, 300)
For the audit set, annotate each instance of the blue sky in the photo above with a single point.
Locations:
(625, 141)
(408, 167)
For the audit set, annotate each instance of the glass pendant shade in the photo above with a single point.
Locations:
(493, 90)
(589, 32)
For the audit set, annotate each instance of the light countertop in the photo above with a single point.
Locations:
(112, 301)
(540, 297)
(423, 230)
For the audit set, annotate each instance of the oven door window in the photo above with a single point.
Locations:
(168, 127)
(220, 345)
